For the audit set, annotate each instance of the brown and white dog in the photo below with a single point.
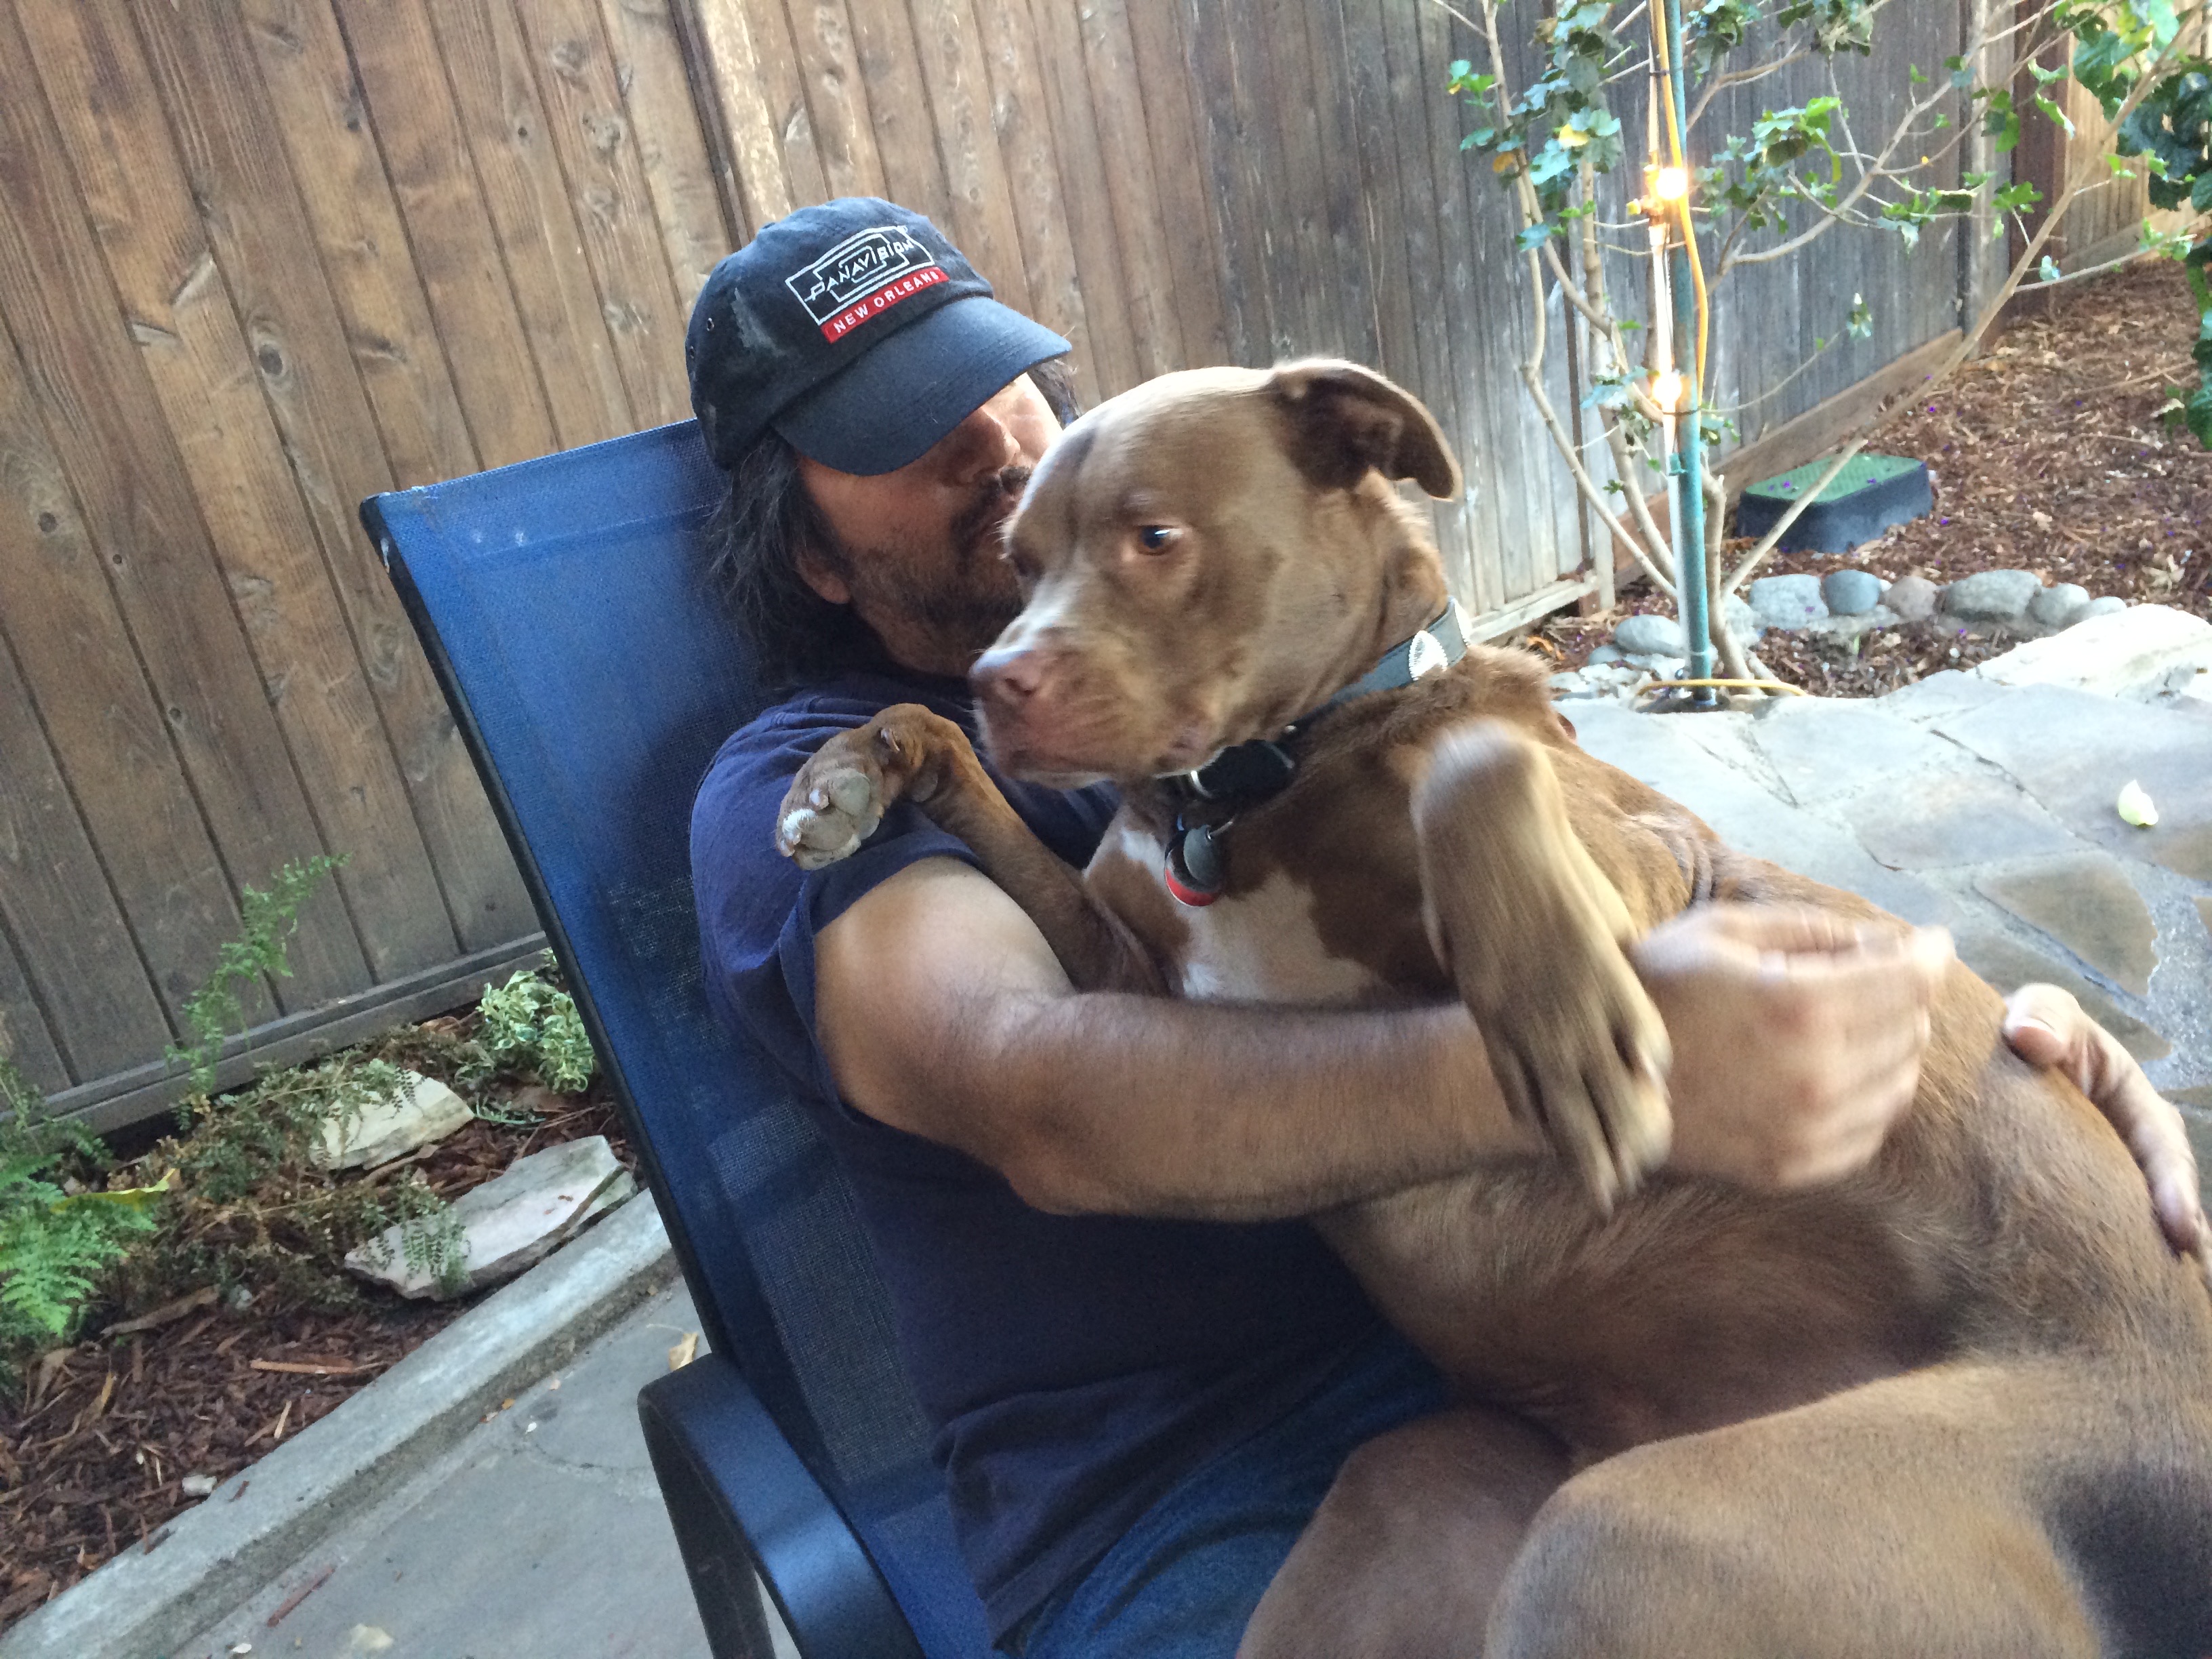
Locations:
(1958, 1403)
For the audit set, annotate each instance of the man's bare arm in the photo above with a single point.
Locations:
(942, 1012)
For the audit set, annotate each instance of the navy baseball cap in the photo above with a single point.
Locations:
(856, 330)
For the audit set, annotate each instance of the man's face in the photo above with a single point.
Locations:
(918, 552)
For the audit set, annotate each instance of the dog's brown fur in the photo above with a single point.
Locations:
(1958, 1403)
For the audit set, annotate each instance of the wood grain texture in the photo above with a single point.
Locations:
(24, 1042)
(317, 105)
(836, 98)
(740, 52)
(1226, 137)
(672, 142)
(218, 383)
(1084, 203)
(104, 722)
(1031, 156)
(540, 242)
(1172, 92)
(98, 1012)
(1117, 95)
(887, 54)
(978, 194)
(448, 227)
(596, 144)
(103, 420)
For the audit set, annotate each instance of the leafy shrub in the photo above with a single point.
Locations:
(529, 1025)
(57, 1238)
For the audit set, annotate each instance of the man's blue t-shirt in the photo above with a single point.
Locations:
(1072, 1367)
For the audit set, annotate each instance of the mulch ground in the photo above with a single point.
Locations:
(2051, 453)
(94, 1455)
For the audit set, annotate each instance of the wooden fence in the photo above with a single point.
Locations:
(259, 258)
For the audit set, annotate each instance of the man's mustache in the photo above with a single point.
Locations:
(995, 500)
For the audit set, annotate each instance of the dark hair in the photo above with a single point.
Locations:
(756, 535)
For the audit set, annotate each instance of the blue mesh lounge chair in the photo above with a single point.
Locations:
(562, 605)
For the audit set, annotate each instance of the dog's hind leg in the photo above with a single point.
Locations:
(1531, 930)
(1406, 1553)
(1951, 1511)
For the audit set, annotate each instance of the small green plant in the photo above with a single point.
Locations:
(268, 919)
(57, 1237)
(529, 1025)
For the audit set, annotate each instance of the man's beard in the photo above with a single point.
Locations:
(966, 594)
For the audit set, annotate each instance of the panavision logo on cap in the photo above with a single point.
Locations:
(867, 273)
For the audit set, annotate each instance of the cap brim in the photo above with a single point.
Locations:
(914, 386)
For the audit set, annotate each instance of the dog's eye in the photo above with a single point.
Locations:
(1157, 538)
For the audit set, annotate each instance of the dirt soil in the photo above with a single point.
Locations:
(94, 1455)
(2050, 453)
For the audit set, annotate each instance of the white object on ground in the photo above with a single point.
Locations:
(2135, 805)
(504, 1226)
(422, 1111)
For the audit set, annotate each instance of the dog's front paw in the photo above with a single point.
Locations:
(834, 804)
(1584, 1061)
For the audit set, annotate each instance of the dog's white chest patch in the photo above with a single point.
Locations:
(1262, 946)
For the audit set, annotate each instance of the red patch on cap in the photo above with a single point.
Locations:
(882, 301)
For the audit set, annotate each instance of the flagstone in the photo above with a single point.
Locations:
(2086, 902)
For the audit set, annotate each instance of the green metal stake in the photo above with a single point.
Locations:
(1689, 514)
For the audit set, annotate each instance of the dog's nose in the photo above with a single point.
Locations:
(1010, 676)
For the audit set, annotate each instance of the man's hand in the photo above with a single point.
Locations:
(2047, 1027)
(1797, 1036)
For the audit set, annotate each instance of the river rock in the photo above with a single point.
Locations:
(1913, 598)
(1742, 621)
(1788, 601)
(1991, 595)
(1851, 592)
(503, 1226)
(1650, 636)
(2107, 607)
(1603, 655)
(2059, 605)
(422, 1111)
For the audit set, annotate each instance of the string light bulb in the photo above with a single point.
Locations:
(1670, 184)
(1667, 391)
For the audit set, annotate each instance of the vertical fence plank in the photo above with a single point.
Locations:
(101, 1014)
(448, 226)
(211, 379)
(1029, 149)
(671, 146)
(24, 1042)
(1118, 105)
(1164, 72)
(1348, 229)
(836, 99)
(978, 195)
(318, 107)
(1117, 363)
(540, 243)
(899, 125)
(597, 150)
(102, 417)
(1225, 143)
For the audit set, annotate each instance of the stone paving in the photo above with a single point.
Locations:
(1989, 809)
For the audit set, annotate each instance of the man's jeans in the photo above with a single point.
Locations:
(1181, 1583)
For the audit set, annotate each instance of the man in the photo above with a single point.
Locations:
(1144, 1371)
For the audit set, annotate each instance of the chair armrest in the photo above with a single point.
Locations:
(742, 1504)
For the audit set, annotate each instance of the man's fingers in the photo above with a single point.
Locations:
(2046, 1026)
(1789, 929)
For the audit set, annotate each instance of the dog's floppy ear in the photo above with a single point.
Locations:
(1345, 420)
